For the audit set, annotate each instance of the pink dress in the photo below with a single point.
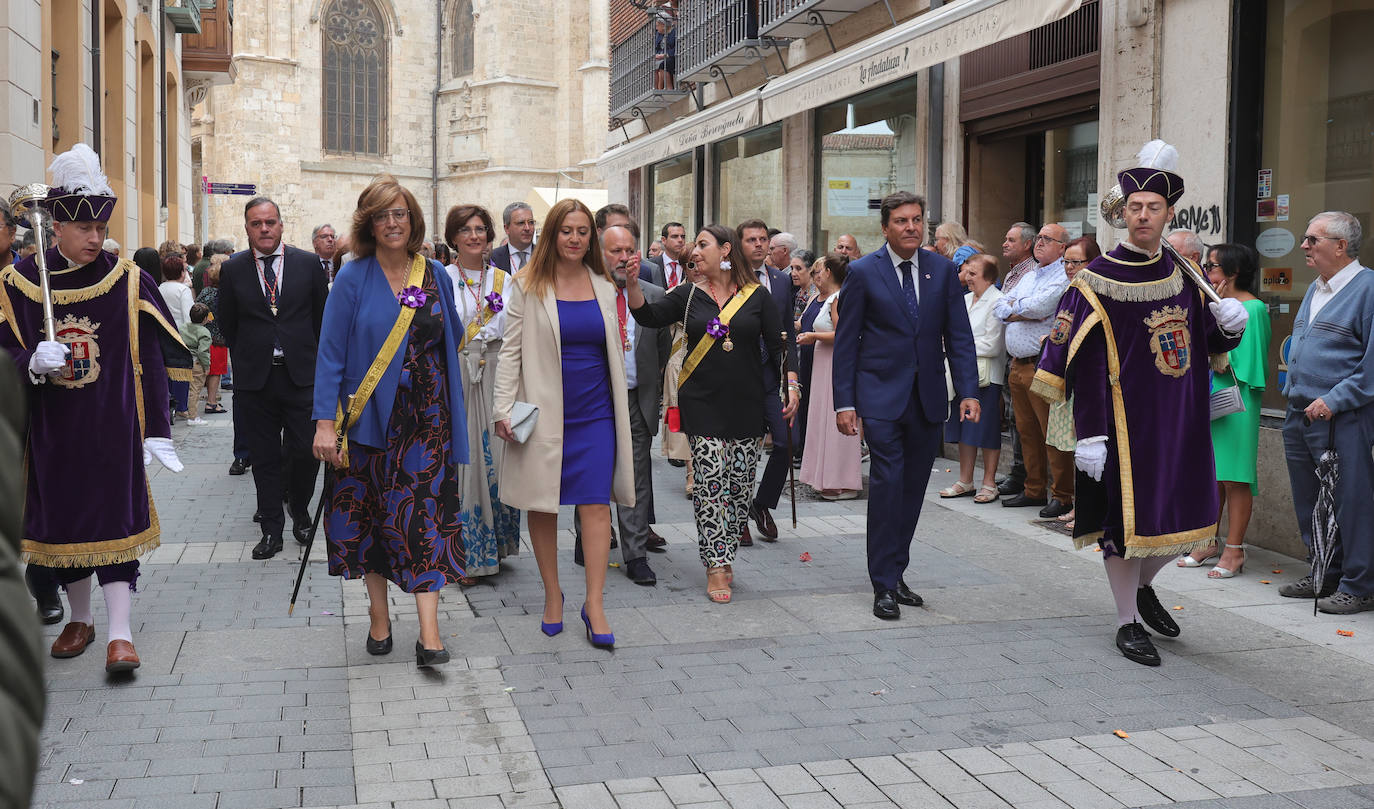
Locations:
(831, 459)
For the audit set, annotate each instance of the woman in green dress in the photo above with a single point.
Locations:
(1233, 270)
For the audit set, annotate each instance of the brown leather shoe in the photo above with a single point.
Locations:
(120, 656)
(74, 639)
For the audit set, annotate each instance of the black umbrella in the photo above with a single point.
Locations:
(329, 475)
(1325, 530)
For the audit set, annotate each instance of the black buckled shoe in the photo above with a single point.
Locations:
(885, 605)
(268, 547)
(1158, 618)
(907, 597)
(1134, 642)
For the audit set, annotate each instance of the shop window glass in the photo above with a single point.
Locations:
(1070, 180)
(749, 177)
(868, 150)
(673, 187)
(1317, 148)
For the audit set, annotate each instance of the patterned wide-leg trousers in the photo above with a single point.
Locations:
(722, 488)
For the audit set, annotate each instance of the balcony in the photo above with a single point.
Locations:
(797, 19)
(184, 14)
(717, 38)
(209, 54)
(632, 76)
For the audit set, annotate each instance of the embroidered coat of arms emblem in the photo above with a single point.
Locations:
(1170, 341)
(83, 365)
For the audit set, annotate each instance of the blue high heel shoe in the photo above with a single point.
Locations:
(606, 641)
(552, 629)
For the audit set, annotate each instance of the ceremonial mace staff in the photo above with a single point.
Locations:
(791, 469)
(329, 475)
(24, 204)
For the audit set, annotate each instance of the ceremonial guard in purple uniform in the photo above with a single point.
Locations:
(97, 406)
(1131, 342)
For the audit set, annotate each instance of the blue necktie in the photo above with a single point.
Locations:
(908, 288)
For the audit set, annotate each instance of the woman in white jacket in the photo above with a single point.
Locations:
(979, 273)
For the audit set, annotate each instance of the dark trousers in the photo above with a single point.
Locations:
(275, 421)
(775, 471)
(1352, 563)
(240, 442)
(900, 454)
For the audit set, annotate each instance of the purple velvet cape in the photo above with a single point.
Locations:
(1131, 341)
(87, 502)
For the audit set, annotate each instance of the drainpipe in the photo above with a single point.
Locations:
(97, 34)
(935, 139)
(162, 96)
(434, 118)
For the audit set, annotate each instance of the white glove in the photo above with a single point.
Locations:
(48, 357)
(1230, 314)
(162, 449)
(1090, 455)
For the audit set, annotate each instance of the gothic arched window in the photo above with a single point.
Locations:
(462, 31)
(355, 77)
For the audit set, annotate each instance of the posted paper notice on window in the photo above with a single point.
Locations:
(847, 196)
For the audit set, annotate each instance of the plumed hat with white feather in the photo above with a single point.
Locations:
(80, 191)
(1155, 170)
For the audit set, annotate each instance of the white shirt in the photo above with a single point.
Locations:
(1323, 291)
(179, 298)
(896, 267)
(631, 333)
(1037, 296)
(519, 258)
(671, 267)
(762, 274)
(277, 263)
(466, 304)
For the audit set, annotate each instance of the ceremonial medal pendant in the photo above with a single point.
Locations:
(274, 311)
(727, 344)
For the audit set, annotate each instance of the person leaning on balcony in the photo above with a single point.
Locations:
(665, 51)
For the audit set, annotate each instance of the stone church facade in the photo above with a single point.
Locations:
(461, 100)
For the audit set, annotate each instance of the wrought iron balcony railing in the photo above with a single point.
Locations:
(719, 37)
(633, 66)
(795, 19)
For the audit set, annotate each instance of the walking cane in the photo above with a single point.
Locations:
(315, 525)
(791, 469)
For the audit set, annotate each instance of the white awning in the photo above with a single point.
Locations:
(932, 38)
(541, 199)
(731, 117)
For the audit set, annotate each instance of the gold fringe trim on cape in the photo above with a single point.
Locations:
(96, 554)
(1167, 545)
(180, 374)
(62, 297)
(1131, 292)
(1047, 386)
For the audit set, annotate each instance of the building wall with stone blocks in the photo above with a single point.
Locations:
(513, 122)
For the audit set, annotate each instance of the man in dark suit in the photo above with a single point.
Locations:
(271, 304)
(754, 239)
(901, 313)
(673, 260)
(518, 219)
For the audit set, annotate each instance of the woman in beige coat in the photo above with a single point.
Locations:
(564, 353)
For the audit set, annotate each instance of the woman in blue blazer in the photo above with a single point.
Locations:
(394, 508)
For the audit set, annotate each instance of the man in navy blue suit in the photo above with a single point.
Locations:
(754, 240)
(901, 313)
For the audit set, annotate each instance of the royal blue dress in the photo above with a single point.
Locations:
(588, 415)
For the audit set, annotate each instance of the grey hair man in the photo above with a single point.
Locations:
(518, 220)
(1330, 396)
(1188, 244)
(111, 246)
(780, 250)
(1018, 250)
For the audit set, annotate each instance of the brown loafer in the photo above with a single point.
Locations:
(120, 656)
(74, 639)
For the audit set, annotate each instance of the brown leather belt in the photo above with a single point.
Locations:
(1024, 360)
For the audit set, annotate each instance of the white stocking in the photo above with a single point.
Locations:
(1124, 577)
(1150, 567)
(119, 603)
(79, 597)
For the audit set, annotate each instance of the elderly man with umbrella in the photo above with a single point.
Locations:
(1330, 390)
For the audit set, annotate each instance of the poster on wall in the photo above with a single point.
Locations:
(847, 196)
(1265, 210)
(1278, 279)
(1266, 184)
(1281, 209)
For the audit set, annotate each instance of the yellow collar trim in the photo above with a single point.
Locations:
(30, 290)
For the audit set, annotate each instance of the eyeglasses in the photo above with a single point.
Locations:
(1048, 239)
(1212, 265)
(473, 231)
(1312, 240)
(398, 214)
(1074, 262)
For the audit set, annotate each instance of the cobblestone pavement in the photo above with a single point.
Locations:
(1004, 691)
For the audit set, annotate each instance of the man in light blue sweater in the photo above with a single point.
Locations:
(1330, 392)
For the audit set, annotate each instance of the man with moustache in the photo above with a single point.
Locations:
(271, 305)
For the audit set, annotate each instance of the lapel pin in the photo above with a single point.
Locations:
(927, 276)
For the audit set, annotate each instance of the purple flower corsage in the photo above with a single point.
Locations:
(414, 297)
(494, 302)
(717, 329)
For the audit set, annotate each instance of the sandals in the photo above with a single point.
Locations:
(215, 408)
(714, 590)
(1193, 561)
(1219, 572)
(959, 489)
(986, 494)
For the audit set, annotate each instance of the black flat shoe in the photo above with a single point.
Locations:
(379, 647)
(1022, 501)
(44, 591)
(674, 462)
(238, 467)
(640, 573)
(1009, 487)
(885, 605)
(1055, 509)
(1134, 642)
(429, 657)
(1154, 614)
(269, 546)
(907, 597)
